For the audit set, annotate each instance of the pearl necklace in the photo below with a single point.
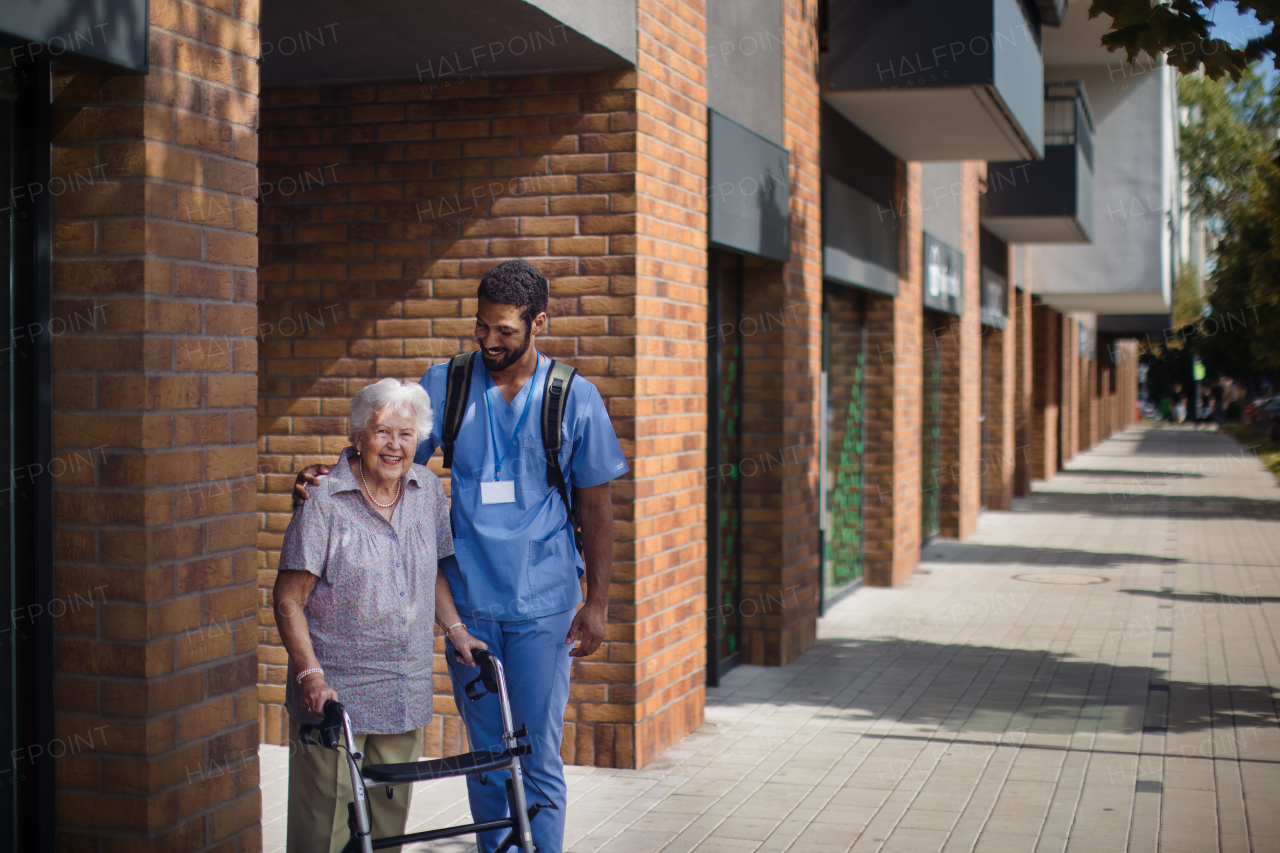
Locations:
(369, 492)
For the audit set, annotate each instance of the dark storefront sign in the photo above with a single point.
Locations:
(943, 276)
(748, 191)
(110, 33)
(859, 239)
(995, 298)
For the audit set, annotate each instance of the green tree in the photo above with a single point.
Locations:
(1179, 31)
(1241, 336)
(1227, 134)
(1226, 146)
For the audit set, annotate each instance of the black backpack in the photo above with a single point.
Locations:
(555, 394)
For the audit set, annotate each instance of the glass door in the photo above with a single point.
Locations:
(10, 242)
(27, 739)
(724, 458)
(842, 518)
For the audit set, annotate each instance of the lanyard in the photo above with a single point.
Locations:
(493, 429)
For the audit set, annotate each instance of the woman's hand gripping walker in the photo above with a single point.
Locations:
(336, 727)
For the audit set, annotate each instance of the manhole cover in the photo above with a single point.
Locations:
(1054, 578)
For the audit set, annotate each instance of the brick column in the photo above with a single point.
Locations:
(998, 457)
(1003, 462)
(1088, 403)
(1020, 302)
(893, 403)
(1106, 397)
(1069, 390)
(1046, 366)
(159, 391)
(960, 350)
(1127, 383)
(664, 659)
(784, 359)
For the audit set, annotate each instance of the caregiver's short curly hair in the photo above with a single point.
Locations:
(406, 397)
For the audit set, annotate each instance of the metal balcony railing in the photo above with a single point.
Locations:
(1067, 118)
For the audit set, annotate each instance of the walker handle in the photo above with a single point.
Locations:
(488, 674)
(328, 730)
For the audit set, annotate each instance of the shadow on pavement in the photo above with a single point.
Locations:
(1148, 500)
(1170, 441)
(958, 552)
(1204, 597)
(1146, 476)
(991, 690)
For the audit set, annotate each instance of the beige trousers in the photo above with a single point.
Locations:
(320, 788)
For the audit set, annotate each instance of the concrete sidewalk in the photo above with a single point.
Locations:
(1096, 670)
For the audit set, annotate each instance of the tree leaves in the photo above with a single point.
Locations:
(1179, 31)
(1228, 131)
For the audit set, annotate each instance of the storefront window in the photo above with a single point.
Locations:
(844, 380)
(724, 458)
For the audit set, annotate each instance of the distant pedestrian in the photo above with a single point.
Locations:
(1218, 397)
(1179, 404)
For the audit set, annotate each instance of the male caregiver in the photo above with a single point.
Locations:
(515, 569)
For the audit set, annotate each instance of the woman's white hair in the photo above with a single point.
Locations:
(406, 397)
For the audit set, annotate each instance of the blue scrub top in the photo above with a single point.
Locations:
(517, 561)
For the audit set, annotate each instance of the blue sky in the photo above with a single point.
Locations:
(1230, 25)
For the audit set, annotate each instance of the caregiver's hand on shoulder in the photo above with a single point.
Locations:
(308, 476)
(464, 644)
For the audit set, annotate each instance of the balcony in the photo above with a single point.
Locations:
(1050, 200)
(939, 79)
(441, 44)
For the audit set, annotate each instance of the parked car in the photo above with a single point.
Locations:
(1253, 410)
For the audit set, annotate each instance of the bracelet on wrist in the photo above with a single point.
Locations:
(449, 631)
(312, 671)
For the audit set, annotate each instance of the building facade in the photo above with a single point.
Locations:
(844, 282)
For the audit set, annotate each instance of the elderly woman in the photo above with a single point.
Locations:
(355, 599)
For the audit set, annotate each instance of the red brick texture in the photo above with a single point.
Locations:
(1075, 402)
(895, 354)
(1020, 305)
(783, 365)
(959, 477)
(406, 196)
(664, 574)
(1068, 390)
(1046, 366)
(158, 390)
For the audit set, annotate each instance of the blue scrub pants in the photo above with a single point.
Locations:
(535, 659)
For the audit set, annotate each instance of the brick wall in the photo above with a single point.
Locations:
(158, 390)
(1020, 304)
(399, 197)
(783, 372)
(1046, 365)
(409, 194)
(1068, 391)
(1088, 378)
(666, 659)
(959, 347)
(895, 353)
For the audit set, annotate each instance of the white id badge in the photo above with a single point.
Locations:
(497, 492)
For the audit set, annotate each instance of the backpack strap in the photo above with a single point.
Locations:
(555, 396)
(457, 386)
